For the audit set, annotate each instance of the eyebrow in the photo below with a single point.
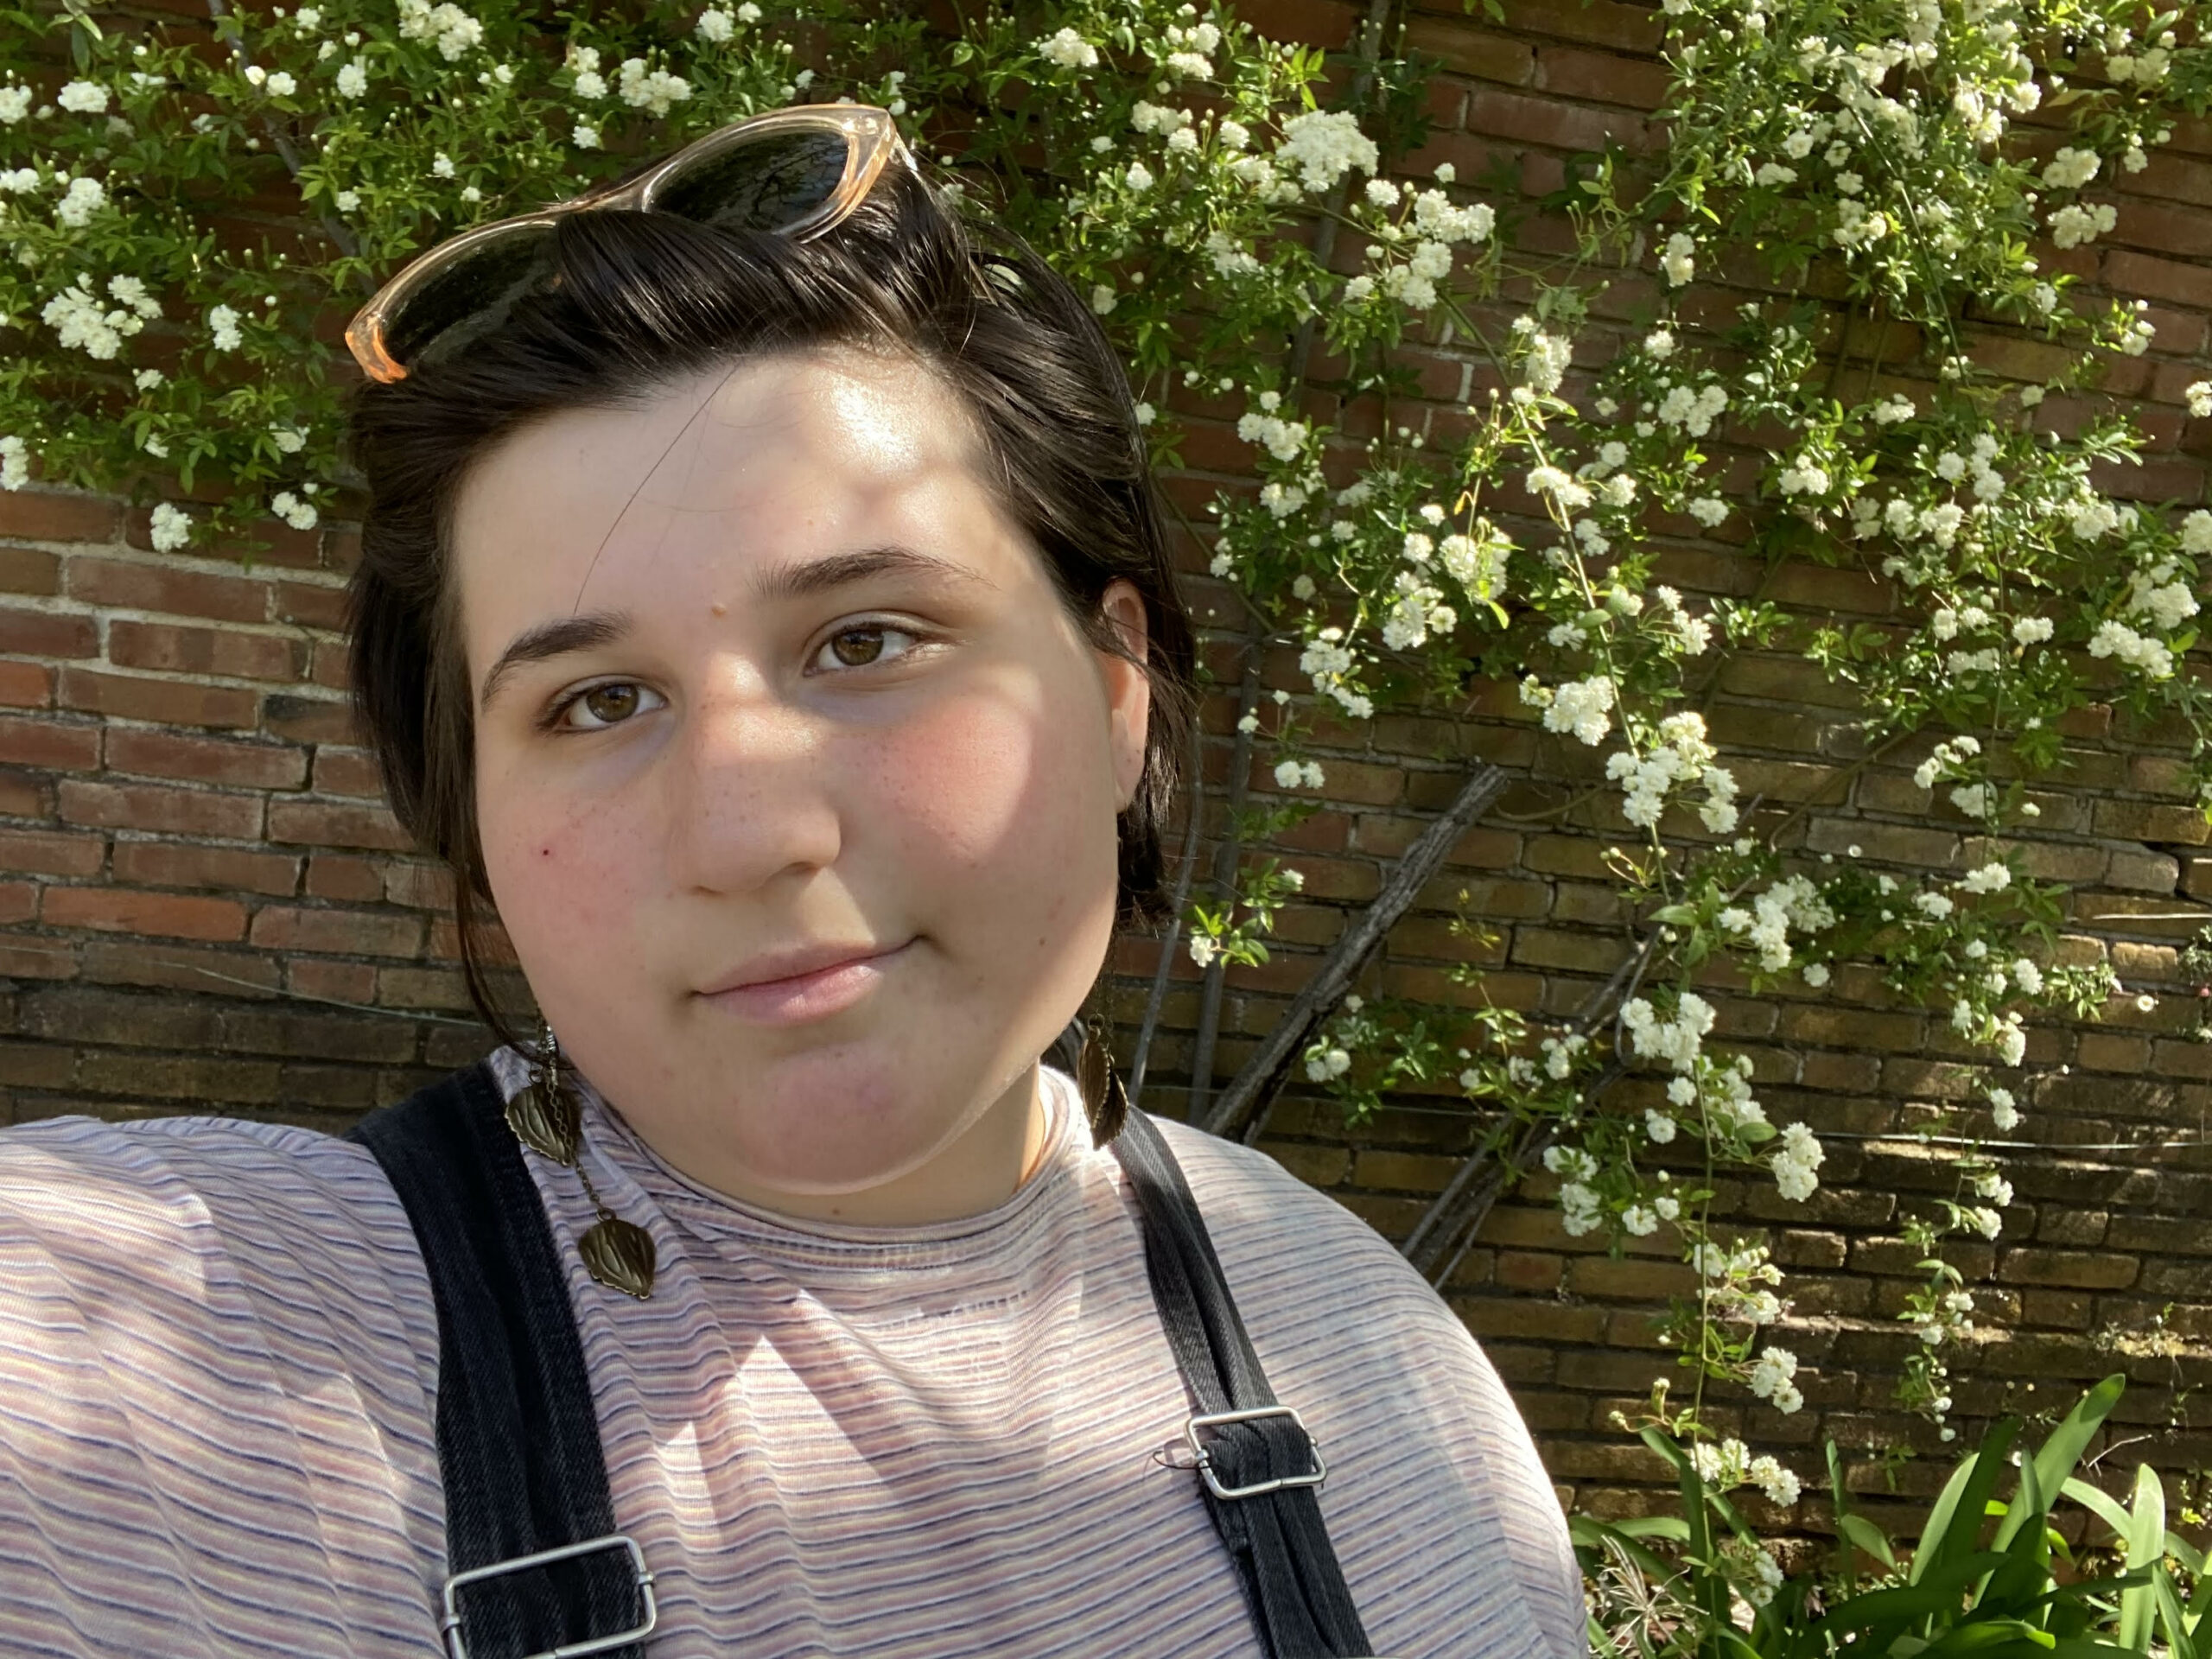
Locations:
(591, 629)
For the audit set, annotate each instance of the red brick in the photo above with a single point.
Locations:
(18, 902)
(40, 852)
(207, 759)
(203, 650)
(154, 806)
(175, 703)
(24, 794)
(315, 607)
(49, 743)
(166, 915)
(127, 585)
(47, 633)
(308, 719)
(28, 570)
(40, 516)
(318, 823)
(346, 772)
(1465, 51)
(38, 959)
(335, 875)
(1495, 113)
(177, 864)
(26, 685)
(1601, 78)
(337, 932)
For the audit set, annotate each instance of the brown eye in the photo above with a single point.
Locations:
(856, 647)
(863, 644)
(609, 704)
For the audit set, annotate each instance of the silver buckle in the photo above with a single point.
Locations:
(1258, 1488)
(451, 1625)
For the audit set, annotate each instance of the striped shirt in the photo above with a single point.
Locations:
(218, 1371)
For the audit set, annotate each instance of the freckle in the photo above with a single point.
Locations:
(718, 608)
(545, 852)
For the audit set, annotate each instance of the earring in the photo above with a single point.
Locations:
(1104, 1100)
(547, 1117)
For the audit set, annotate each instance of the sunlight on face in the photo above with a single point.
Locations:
(797, 782)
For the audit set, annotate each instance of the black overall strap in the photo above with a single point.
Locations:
(1259, 1469)
(517, 1434)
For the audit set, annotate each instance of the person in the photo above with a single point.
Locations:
(763, 612)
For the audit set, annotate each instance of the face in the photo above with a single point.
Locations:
(797, 783)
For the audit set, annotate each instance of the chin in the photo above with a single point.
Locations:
(842, 1121)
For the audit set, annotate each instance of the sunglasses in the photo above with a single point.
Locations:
(795, 172)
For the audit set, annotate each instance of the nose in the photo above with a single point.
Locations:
(750, 799)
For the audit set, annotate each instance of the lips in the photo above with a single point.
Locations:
(811, 983)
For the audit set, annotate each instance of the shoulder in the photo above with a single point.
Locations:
(218, 1378)
(1428, 1456)
(215, 1229)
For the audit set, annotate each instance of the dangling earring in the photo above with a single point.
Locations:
(1103, 1098)
(547, 1118)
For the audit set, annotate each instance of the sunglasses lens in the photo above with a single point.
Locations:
(767, 183)
(478, 289)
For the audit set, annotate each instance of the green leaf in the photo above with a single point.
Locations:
(1956, 1520)
(2147, 1547)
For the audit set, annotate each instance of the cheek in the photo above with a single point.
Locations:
(1004, 797)
(562, 873)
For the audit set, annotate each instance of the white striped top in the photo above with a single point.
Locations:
(218, 1370)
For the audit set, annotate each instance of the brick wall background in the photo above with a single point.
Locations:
(204, 906)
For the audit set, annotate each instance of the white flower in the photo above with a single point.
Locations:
(1780, 1485)
(15, 105)
(282, 85)
(1658, 1125)
(1324, 145)
(654, 91)
(715, 26)
(442, 165)
(15, 462)
(1989, 878)
(2078, 222)
(1771, 1379)
(1708, 510)
(450, 28)
(172, 527)
(1069, 50)
(2199, 398)
(1680, 259)
(84, 198)
(1640, 1220)
(1582, 707)
(1816, 973)
(2070, 168)
(585, 136)
(147, 379)
(299, 515)
(353, 79)
(1203, 949)
(83, 98)
(1138, 177)
(346, 200)
(223, 325)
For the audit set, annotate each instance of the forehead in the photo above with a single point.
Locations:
(771, 459)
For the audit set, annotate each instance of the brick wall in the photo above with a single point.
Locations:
(203, 905)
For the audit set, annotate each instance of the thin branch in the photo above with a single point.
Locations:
(1262, 1074)
(338, 1002)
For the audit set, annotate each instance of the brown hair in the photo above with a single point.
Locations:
(641, 299)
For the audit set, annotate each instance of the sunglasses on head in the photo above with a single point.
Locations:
(795, 172)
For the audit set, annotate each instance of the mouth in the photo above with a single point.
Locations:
(794, 988)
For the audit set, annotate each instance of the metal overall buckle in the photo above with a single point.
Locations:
(1204, 1459)
(451, 1625)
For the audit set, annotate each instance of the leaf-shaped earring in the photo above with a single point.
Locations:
(1104, 1101)
(547, 1117)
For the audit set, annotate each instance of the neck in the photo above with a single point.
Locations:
(977, 1171)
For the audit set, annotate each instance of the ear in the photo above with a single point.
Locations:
(1128, 691)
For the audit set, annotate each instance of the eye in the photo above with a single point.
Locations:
(608, 703)
(863, 644)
